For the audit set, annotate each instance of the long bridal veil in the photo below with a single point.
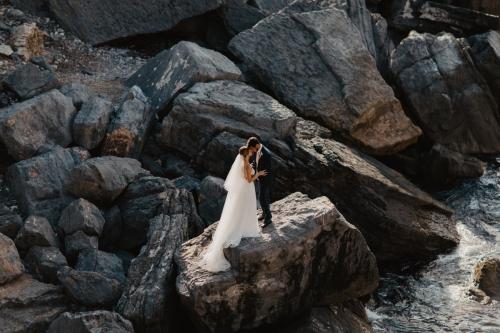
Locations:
(238, 218)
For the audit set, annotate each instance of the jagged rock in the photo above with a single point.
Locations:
(108, 264)
(91, 122)
(220, 104)
(178, 68)
(240, 16)
(446, 93)
(10, 263)
(189, 183)
(37, 183)
(98, 21)
(311, 255)
(81, 215)
(91, 322)
(485, 50)
(103, 179)
(130, 126)
(334, 78)
(6, 50)
(89, 288)
(382, 42)
(10, 222)
(112, 230)
(47, 118)
(27, 305)
(486, 279)
(149, 298)
(36, 231)
(44, 262)
(77, 242)
(30, 80)
(78, 92)
(147, 198)
(211, 199)
(28, 40)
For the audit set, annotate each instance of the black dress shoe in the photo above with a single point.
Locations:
(265, 224)
(261, 218)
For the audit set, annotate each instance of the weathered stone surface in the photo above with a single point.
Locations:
(37, 183)
(178, 68)
(130, 126)
(310, 255)
(77, 242)
(36, 231)
(240, 16)
(271, 6)
(334, 78)
(41, 121)
(91, 122)
(38, 7)
(487, 6)
(78, 92)
(486, 279)
(10, 263)
(10, 222)
(81, 215)
(6, 50)
(103, 179)
(91, 322)
(30, 80)
(89, 288)
(27, 40)
(446, 93)
(207, 109)
(44, 262)
(112, 228)
(147, 198)
(28, 306)
(98, 21)
(149, 297)
(211, 199)
(485, 50)
(108, 264)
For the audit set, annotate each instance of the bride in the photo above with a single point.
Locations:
(239, 215)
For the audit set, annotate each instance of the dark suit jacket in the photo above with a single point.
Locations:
(265, 163)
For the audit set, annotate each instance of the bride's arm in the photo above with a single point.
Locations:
(248, 172)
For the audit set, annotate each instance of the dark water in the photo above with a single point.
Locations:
(435, 299)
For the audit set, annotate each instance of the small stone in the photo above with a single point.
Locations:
(36, 231)
(81, 215)
(6, 50)
(44, 262)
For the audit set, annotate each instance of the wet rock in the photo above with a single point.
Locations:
(149, 297)
(47, 117)
(108, 264)
(81, 215)
(338, 86)
(91, 322)
(310, 255)
(103, 179)
(10, 263)
(27, 305)
(446, 93)
(89, 288)
(178, 68)
(220, 104)
(91, 122)
(37, 183)
(36, 231)
(77, 242)
(211, 199)
(27, 40)
(130, 126)
(240, 16)
(10, 222)
(486, 279)
(30, 80)
(78, 92)
(44, 262)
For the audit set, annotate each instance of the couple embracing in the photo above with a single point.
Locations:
(239, 215)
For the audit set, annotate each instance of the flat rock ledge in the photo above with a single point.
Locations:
(309, 256)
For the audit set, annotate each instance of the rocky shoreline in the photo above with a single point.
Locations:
(113, 159)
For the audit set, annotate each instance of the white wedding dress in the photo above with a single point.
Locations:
(238, 218)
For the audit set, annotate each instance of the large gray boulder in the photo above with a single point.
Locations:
(309, 256)
(91, 122)
(28, 305)
(30, 80)
(149, 297)
(81, 215)
(37, 183)
(91, 322)
(108, 264)
(130, 126)
(43, 263)
(10, 264)
(47, 118)
(79, 93)
(178, 68)
(103, 179)
(446, 93)
(36, 231)
(10, 222)
(98, 21)
(317, 63)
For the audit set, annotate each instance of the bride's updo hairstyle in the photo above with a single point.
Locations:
(243, 151)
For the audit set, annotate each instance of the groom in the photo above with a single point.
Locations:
(262, 161)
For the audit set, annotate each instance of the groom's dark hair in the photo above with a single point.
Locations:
(252, 142)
